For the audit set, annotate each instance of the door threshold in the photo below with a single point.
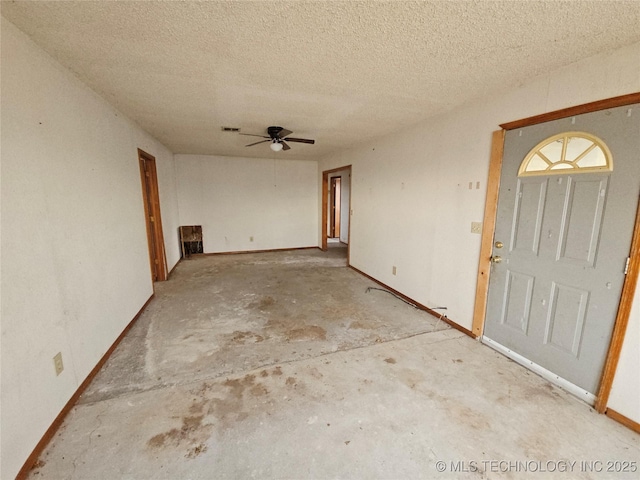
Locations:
(574, 390)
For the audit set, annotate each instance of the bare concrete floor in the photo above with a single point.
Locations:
(283, 365)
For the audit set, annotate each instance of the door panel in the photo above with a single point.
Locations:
(517, 301)
(554, 297)
(527, 218)
(567, 309)
(582, 219)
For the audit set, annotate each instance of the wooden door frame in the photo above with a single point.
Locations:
(325, 208)
(622, 319)
(153, 218)
(488, 231)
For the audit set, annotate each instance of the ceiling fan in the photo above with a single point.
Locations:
(278, 138)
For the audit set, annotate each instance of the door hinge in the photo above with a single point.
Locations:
(626, 265)
(151, 218)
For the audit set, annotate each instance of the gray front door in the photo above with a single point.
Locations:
(553, 297)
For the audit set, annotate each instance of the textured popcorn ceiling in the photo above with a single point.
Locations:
(339, 72)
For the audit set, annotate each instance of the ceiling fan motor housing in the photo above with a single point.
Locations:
(274, 132)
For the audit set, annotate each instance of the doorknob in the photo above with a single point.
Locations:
(496, 259)
(499, 244)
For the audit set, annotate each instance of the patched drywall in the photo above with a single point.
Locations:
(415, 194)
(248, 204)
(75, 261)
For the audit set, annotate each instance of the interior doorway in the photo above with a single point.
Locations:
(336, 207)
(151, 200)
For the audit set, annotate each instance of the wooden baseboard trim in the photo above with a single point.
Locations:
(626, 421)
(448, 321)
(240, 252)
(53, 428)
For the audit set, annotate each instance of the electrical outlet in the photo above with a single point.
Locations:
(251, 239)
(476, 227)
(393, 270)
(57, 363)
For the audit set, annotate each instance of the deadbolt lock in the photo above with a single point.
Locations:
(496, 259)
(499, 244)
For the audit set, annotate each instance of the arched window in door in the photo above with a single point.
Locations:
(569, 152)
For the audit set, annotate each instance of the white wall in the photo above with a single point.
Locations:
(272, 200)
(412, 207)
(75, 262)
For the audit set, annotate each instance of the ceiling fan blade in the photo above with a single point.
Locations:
(252, 135)
(300, 140)
(261, 141)
(285, 146)
(284, 132)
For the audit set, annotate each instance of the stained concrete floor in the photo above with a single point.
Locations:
(284, 365)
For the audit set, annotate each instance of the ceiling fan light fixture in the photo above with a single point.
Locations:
(276, 146)
(278, 139)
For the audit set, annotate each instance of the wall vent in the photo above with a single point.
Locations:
(230, 129)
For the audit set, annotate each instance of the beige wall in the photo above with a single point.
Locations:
(75, 262)
(412, 206)
(233, 198)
